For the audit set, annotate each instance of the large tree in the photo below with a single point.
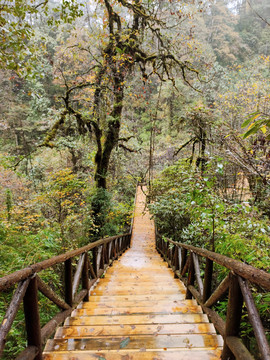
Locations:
(98, 60)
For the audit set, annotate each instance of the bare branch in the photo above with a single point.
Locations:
(184, 145)
(263, 19)
(127, 148)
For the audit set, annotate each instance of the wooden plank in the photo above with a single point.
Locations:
(139, 276)
(128, 330)
(142, 297)
(156, 309)
(132, 290)
(131, 303)
(136, 342)
(142, 280)
(184, 354)
(137, 319)
(140, 286)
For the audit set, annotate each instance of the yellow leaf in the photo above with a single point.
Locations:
(264, 129)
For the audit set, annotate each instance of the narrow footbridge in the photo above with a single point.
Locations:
(149, 303)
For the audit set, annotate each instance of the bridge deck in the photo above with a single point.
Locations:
(138, 311)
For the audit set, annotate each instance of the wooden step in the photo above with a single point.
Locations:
(188, 307)
(132, 303)
(168, 280)
(130, 330)
(137, 298)
(105, 284)
(137, 319)
(157, 342)
(180, 354)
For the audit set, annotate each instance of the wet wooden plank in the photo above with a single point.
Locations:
(136, 342)
(131, 303)
(128, 330)
(131, 291)
(145, 286)
(137, 319)
(153, 309)
(143, 297)
(193, 354)
(145, 281)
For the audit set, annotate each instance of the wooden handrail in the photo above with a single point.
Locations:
(11, 279)
(30, 283)
(248, 272)
(187, 268)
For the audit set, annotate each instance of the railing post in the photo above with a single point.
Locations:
(120, 242)
(32, 320)
(191, 277)
(101, 266)
(207, 284)
(68, 282)
(113, 251)
(94, 257)
(116, 246)
(234, 314)
(110, 252)
(85, 277)
(176, 261)
(183, 259)
(106, 254)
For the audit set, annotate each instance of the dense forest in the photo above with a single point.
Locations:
(97, 96)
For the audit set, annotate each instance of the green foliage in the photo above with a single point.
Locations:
(257, 121)
(110, 216)
(18, 50)
(189, 208)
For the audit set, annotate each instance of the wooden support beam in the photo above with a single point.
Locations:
(50, 294)
(238, 349)
(207, 283)
(85, 277)
(32, 320)
(220, 291)
(50, 327)
(218, 322)
(29, 353)
(191, 277)
(233, 318)
(197, 273)
(255, 320)
(11, 312)
(77, 276)
(92, 272)
(68, 282)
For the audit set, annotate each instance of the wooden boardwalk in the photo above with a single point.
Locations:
(137, 311)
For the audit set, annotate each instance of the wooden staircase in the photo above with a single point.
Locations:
(137, 311)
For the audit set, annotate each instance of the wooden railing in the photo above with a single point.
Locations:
(93, 261)
(186, 261)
